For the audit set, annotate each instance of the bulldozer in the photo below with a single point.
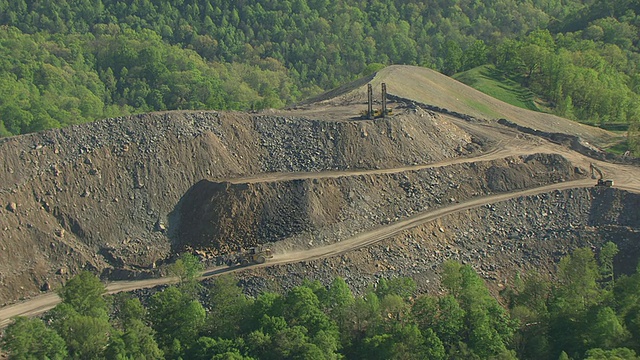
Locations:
(601, 181)
(251, 256)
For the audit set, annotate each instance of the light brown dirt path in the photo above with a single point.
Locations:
(40, 304)
(45, 302)
(383, 232)
(507, 143)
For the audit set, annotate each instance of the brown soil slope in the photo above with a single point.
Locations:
(521, 235)
(430, 87)
(121, 196)
(104, 196)
(224, 216)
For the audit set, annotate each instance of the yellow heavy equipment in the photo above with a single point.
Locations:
(601, 181)
(251, 256)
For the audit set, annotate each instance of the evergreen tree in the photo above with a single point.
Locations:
(31, 339)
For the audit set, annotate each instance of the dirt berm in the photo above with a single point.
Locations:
(223, 217)
(102, 195)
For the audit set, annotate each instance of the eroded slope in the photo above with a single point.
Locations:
(222, 217)
(103, 196)
(525, 234)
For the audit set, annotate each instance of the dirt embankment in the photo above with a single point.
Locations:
(121, 196)
(103, 196)
(222, 217)
(124, 195)
(73, 196)
(521, 235)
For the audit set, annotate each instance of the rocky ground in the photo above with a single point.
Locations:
(314, 212)
(107, 196)
(122, 197)
(523, 235)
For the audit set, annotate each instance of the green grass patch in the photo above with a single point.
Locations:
(483, 108)
(490, 81)
(618, 148)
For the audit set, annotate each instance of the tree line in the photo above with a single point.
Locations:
(586, 313)
(73, 61)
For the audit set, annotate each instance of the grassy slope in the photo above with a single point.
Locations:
(491, 82)
(430, 87)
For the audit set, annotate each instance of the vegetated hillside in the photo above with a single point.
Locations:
(491, 81)
(74, 62)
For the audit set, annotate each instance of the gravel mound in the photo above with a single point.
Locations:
(107, 196)
(522, 235)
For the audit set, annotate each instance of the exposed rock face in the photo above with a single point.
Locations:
(121, 196)
(521, 235)
(104, 195)
(225, 216)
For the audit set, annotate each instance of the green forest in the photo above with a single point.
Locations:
(585, 313)
(72, 61)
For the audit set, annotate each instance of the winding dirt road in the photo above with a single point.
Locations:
(507, 143)
(40, 304)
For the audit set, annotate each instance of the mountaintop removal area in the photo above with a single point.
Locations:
(449, 173)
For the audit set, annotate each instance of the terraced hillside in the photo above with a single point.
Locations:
(331, 193)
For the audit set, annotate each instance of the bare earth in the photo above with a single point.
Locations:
(121, 203)
(626, 177)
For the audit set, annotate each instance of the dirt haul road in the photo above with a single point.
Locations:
(40, 304)
(507, 143)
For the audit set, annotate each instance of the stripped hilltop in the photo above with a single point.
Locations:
(123, 196)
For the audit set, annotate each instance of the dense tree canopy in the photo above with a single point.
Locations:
(72, 61)
(584, 314)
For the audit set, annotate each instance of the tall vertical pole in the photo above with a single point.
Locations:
(370, 100)
(384, 99)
